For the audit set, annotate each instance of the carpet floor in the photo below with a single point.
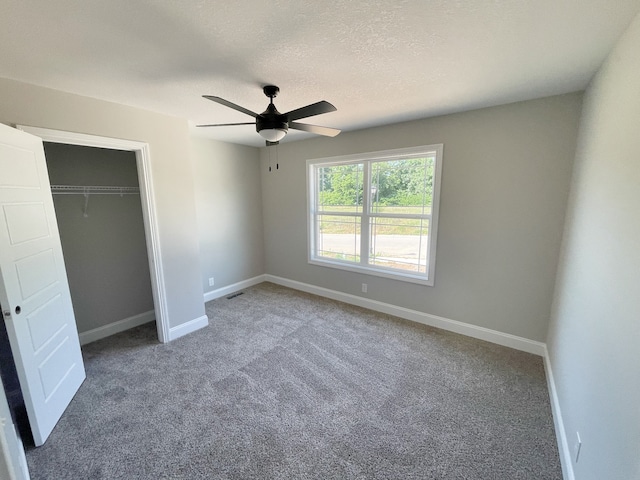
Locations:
(287, 385)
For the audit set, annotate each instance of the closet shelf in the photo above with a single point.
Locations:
(93, 189)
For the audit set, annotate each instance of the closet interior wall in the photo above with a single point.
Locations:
(102, 235)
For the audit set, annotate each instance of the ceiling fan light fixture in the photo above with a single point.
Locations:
(272, 134)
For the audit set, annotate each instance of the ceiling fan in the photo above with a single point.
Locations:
(273, 125)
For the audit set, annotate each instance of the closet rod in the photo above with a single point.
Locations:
(93, 189)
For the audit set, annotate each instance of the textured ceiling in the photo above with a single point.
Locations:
(378, 62)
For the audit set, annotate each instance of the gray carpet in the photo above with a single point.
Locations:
(286, 385)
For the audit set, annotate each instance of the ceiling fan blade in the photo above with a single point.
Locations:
(326, 131)
(227, 103)
(311, 110)
(225, 124)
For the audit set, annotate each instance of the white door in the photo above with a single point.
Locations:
(34, 292)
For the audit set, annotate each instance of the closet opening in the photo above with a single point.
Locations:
(96, 196)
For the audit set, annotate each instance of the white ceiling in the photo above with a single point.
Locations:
(377, 61)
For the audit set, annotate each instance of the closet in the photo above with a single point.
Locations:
(99, 213)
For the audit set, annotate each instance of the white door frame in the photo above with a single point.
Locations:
(143, 161)
(13, 463)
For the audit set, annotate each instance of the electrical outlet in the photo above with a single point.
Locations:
(211, 282)
(364, 288)
(577, 446)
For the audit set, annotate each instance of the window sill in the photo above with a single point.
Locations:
(403, 277)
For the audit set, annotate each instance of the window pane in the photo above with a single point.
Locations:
(340, 188)
(399, 243)
(402, 186)
(338, 237)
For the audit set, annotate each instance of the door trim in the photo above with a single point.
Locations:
(143, 161)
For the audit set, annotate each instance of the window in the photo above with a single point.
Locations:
(376, 213)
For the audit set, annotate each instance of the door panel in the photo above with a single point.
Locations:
(34, 291)
(18, 166)
(35, 273)
(45, 321)
(22, 230)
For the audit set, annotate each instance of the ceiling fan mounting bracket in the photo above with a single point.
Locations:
(271, 91)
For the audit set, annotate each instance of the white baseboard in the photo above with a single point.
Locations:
(493, 336)
(221, 292)
(188, 327)
(566, 459)
(116, 327)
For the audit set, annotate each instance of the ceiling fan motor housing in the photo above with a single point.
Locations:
(271, 118)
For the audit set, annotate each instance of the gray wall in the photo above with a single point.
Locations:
(229, 211)
(594, 337)
(171, 171)
(505, 181)
(105, 253)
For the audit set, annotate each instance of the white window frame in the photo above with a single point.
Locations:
(366, 159)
